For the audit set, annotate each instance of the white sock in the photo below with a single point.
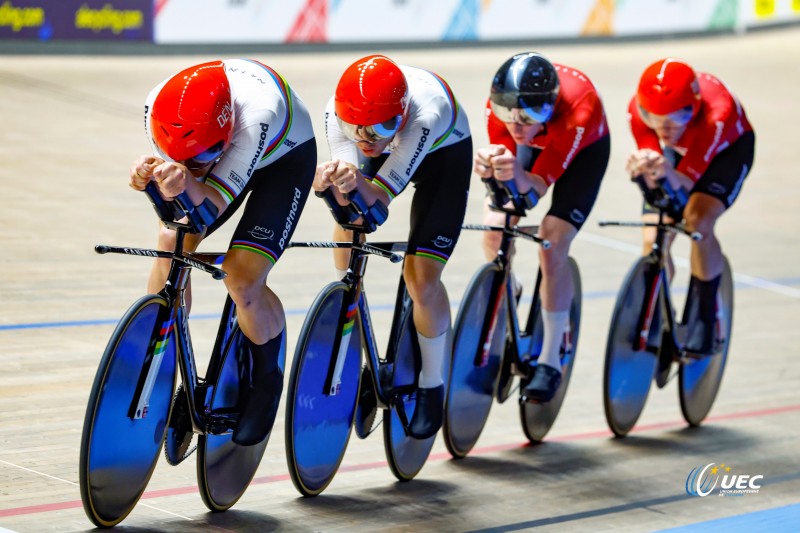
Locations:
(555, 322)
(516, 284)
(340, 274)
(433, 354)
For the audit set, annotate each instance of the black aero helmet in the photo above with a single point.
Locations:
(526, 82)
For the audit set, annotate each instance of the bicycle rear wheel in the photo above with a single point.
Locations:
(628, 373)
(118, 452)
(699, 380)
(318, 424)
(538, 418)
(470, 392)
(225, 469)
(405, 454)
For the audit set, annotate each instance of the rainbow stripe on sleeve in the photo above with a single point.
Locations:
(384, 185)
(286, 94)
(453, 106)
(223, 188)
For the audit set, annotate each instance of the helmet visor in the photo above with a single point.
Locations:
(374, 133)
(206, 157)
(676, 119)
(527, 116)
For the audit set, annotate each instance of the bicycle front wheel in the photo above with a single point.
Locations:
(628, 372)
(538, 418)
(699, 380)
(119, 449)
(470, 392)
(225, 469)
(405, 454)
(317, 423)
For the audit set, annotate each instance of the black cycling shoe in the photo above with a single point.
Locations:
(260, 409)
(700, 317)
(544, 385)
(428, 413)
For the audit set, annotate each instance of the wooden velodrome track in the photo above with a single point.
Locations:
(72, 125)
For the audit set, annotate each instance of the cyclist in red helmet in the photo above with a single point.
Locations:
(219, 131)
(547, 126)
(388, 125)
(690, 129)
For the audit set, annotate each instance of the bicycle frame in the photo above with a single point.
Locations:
(658, 296)
(355, 306)
(521, 340)
(181, 263)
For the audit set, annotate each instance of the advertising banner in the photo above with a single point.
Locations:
(45, 20)
(240, 21)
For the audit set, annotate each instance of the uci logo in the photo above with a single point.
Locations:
(262, 233)
(442, 242)
(702, 481)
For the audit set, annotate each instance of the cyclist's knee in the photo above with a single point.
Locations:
(702, 212)
(166, 238)
(245, 280)
(423, 281)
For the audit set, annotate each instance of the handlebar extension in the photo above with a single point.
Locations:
(345, 215)
(199, 216)
(502, 192)
(664, 197)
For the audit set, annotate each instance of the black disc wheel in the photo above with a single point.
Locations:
(628, 372)
(538, 418)
(318, 422)
(123, 430)
(470, 392)
(699, 380)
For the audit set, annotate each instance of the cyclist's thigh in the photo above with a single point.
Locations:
(279, 192)
(576, 190)
(440, 201)
(724, 177)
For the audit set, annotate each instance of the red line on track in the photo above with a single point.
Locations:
(48, 507)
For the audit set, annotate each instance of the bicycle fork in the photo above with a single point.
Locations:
(151, 367)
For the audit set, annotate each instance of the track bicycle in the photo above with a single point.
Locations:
(327, 385)
(491, 348)
(134, 408)
(645, 342)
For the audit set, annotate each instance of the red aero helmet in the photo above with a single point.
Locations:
(668, 85)
(192, 116)
(372, 90)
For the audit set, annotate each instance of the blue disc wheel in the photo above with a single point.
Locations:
(317, 423)
(225, 469)
(470, 392)
(405, 454)
(120, 447)
(628, 372)
(538, 418)
(699, 380)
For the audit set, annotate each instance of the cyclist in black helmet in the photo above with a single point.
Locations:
(546, 127)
